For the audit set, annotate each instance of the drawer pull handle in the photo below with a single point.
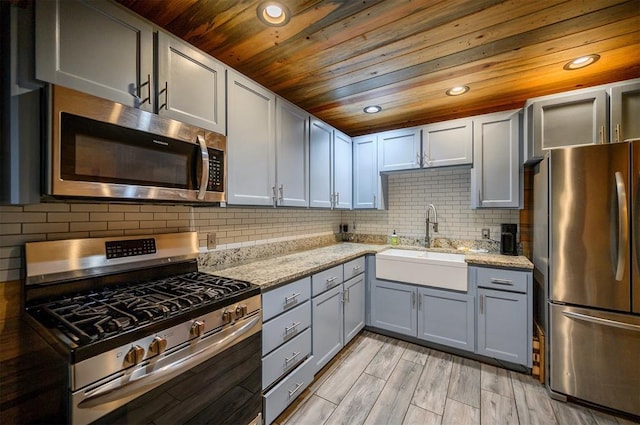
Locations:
(290, 359)
(291, 328)
(331, 279)
(291, 299)
(296, 389)
(501, 281)
(356, 268)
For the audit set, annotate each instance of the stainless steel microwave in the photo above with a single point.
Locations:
(102, 149)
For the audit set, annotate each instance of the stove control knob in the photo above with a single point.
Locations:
(197, 329)
(134, 356)
(229, 315)
(157, 346)
(241, 310)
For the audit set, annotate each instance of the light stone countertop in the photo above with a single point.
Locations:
(272, 272)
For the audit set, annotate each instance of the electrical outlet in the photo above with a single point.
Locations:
(211, 240)
(486, 234)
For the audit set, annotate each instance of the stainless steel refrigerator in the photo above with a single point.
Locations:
(587, 256)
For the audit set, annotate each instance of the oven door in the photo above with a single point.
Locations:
(102, 149)
(216, 379)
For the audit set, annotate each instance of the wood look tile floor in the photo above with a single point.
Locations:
(381, 380)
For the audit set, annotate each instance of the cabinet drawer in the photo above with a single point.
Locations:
(283, 328)
(326, 279)
(503, 280)
(285, 358)
(353, 268)
(276, 400)
(285, 298)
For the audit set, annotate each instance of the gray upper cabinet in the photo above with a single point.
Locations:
(447, 143)
(70, 33)
(399, 150)
(292, 155)
(366, 179)
(570, 119)
(191, 85)
(625, 112)
(495, 177)
(250, 143)
(342, 170)
(320, 171)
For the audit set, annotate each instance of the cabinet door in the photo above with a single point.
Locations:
(447, 318)
(393, 307)
(502, 325)
(250, 143)
(292, 154)
(342, 170)
(447, 143)
(320, 171)
(625, 112)
(495, 178)
(399, 150)
(327, 326)
(570, 120)
(354, 301)
(191, 85)
(95, 47)
(366, 179)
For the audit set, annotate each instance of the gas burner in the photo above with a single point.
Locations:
(101, 314)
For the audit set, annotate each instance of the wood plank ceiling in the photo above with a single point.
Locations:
(336, 56)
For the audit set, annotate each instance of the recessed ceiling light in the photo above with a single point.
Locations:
(372, 109)
(273, 13)
(457, 91)
(581, 62)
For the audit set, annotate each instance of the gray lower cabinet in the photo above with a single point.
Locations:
(502, 325)
(446, 317)
(354, 307)
(327, 326)
(287, 363)
(504, 313)
(393, 307)
(338, 308)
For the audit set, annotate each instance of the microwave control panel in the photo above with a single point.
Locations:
(216, 171)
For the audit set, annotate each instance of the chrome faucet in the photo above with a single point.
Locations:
(427, 238)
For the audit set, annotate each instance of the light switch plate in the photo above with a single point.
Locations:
(486, 233)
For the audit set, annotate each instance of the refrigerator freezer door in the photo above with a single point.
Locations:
(589, 219)
(635, 227)
(595, 356)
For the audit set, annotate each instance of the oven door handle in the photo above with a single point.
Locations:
(113, 391)
(204, 177)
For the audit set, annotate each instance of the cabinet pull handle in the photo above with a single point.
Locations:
(331, 279)
(356, 268)
(148, 84)
(374, 201)
(332, 200)
(419, 303)
(165, 105)
(273, 196)
(290, 359)
(290, 328)
(281, 189)
(413, 299)
(337, 198)
(291, 299)
(481, 304)
(501, 281)
(348, 295)
(602, 137)
(295, 390)
(618, 133)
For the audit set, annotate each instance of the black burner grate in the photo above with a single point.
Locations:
(97, 315)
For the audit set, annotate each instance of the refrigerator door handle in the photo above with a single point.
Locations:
(601, 321)
(623, 226)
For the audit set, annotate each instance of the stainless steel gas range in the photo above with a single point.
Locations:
(148, 338)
